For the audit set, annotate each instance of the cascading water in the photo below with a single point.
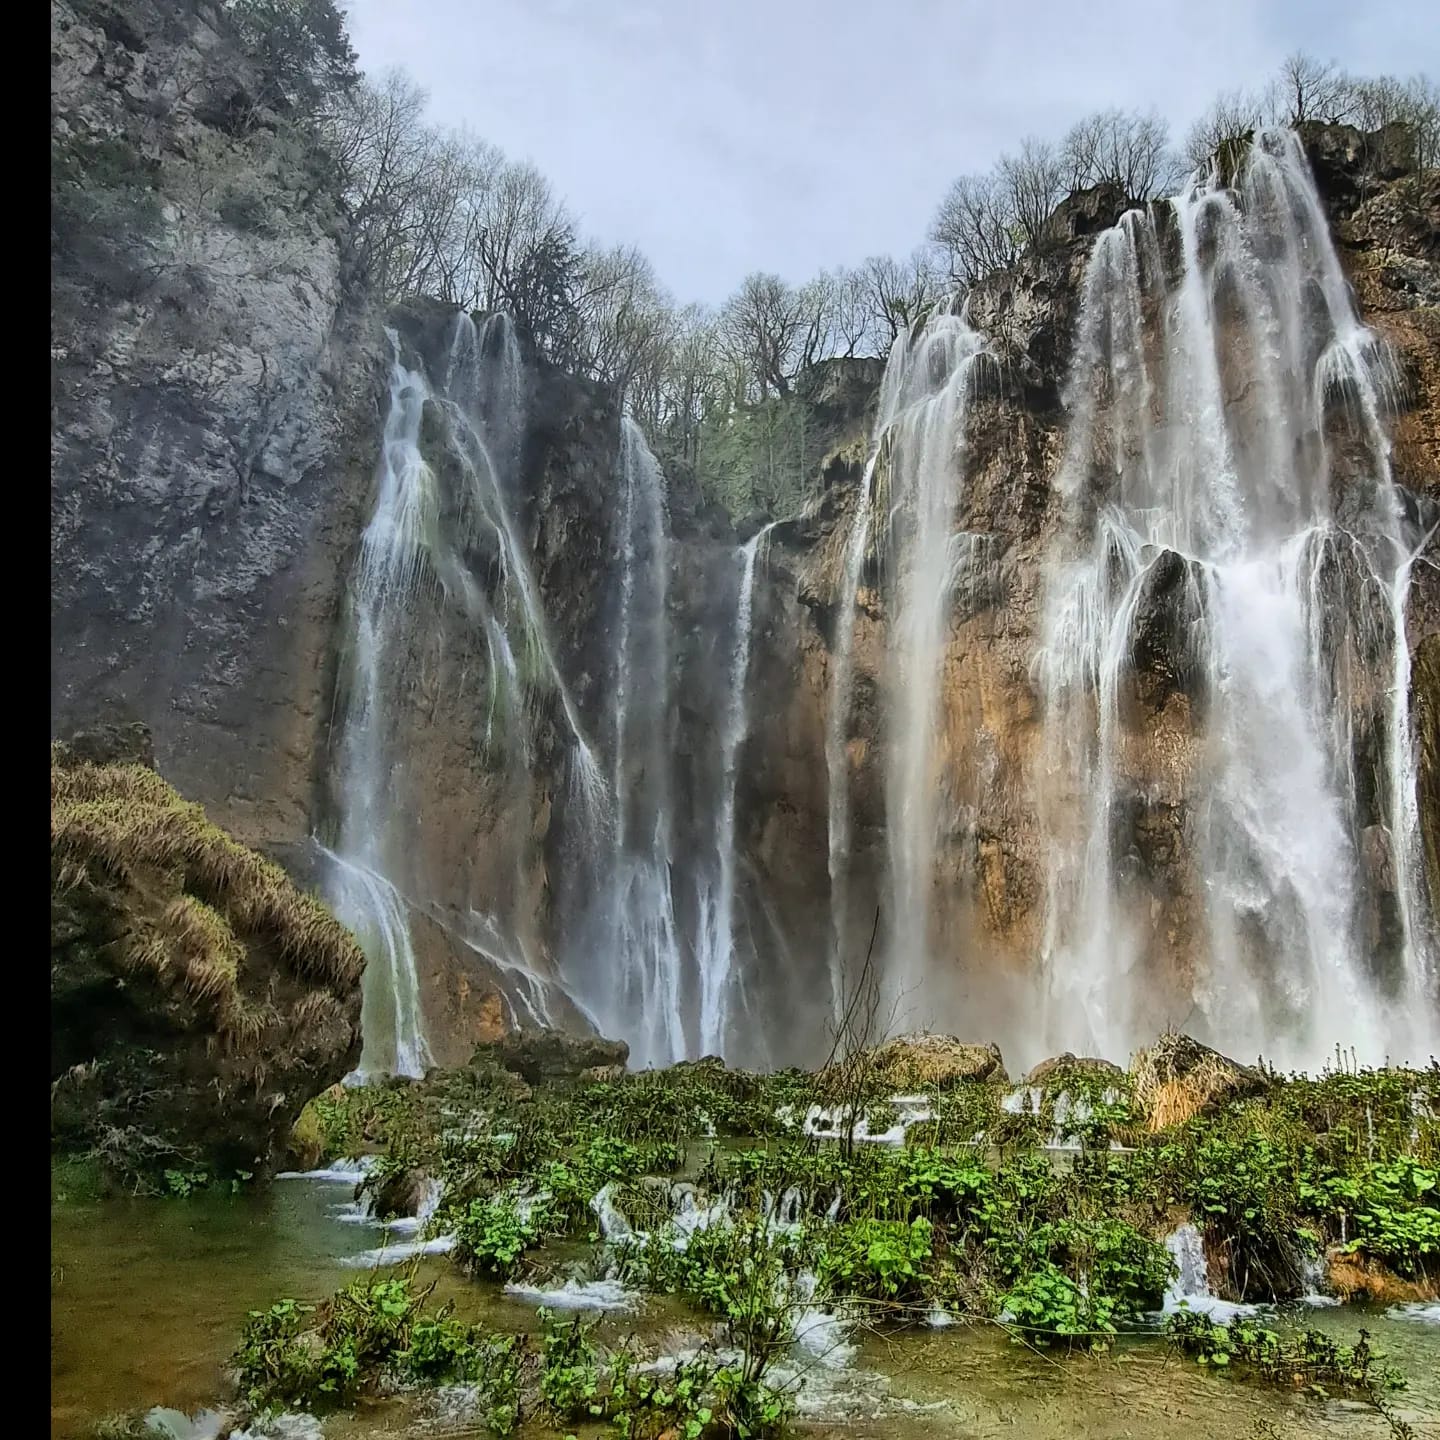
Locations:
(638, 989)
(389, 572)
(913, 484)
(408, 565)
(1230, 600)
(837, 760)
(666, 978)
(720, 979)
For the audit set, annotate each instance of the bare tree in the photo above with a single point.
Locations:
(854, 330)
(898, 292)
(1231, 117)
(976, 227)
(1414, 103)
(766, 325)
(1035, 183)
(1126, 149)
(1310, 89)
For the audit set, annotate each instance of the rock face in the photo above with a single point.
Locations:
(198, 999)
(537, 1056)
(212, 409)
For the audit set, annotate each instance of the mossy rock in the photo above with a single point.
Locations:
(198, 998)
(924, 1062)
(1178, 1077)
(538, 1056)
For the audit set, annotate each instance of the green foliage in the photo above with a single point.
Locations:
(878, 1259)
(1391, 1209)
(286, 1359)
(1310, 1359)
(762, 456)
(570, 1369)
(303, 50)
(490, 1237)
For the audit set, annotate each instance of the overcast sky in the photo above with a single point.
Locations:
(724, 136)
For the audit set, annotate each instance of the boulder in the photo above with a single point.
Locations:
(1059, 1066)
(398, 1193)
(538, 1056)
(922, 1061)
(198, 999)
(1178, 1077)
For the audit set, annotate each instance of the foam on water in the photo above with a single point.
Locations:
(396, 1254)
(1190, 1289)
(340, 1172)
(577, 1295)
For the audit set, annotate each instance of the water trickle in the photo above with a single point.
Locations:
(1190, 1289)
(635, 984)
(719, 975)
(409, 565)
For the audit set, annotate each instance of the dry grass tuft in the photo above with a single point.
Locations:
(124, 823)
(1178, 1078)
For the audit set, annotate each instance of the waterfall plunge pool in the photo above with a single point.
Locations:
(148, 1297)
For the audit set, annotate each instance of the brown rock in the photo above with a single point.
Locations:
(1358, 1277)
(924, 1061)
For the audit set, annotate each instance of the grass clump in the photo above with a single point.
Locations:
(124, 825)
(1310, 1360)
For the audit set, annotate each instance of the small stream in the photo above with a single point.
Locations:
(148, 1297)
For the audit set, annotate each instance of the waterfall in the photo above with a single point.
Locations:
(389, 572)
(718, 974)
(1211, 540)
(638, 988)
(911, 493)
(413, 561)
(837, 760)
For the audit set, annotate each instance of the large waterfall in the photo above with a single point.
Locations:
(1154, 765)
(413, 563)
(1225, 617)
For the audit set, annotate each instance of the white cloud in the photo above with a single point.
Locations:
(790, 135)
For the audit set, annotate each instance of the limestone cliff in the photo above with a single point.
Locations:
(218, 410)
(212, 407)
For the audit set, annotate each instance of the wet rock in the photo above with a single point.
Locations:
(1085, 213)
(1425, 692)
(538, 1056)
(924, 1061)
(1165, 634)
(1178, 1077)
(399, 1193)
(198, 999)
(1058, 1066)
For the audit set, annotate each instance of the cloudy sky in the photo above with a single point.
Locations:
(724, 136)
